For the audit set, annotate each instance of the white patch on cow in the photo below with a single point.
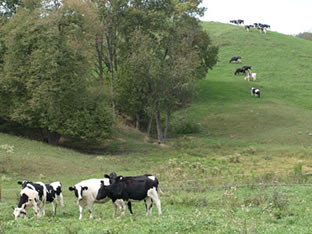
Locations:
(106, 181)
(152, 193)
(79, 192)
(151, 177)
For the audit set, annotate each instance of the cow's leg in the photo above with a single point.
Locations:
(90, 208)
(130, 208)
(35, 208)
(115, 208)
(54, 205)
(43, 208)
(148, 205)
(152, 193)
(81, 207)
(122, 208)
(61, 199)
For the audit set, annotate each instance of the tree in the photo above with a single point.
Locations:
(47, 70)
(161, 68)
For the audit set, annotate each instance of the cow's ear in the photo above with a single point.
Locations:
(106, 176)
(102, 182)
(19, 182)
(71, 188)
(119, 178)
(84, 188)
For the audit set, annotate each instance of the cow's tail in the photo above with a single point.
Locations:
(161, 192)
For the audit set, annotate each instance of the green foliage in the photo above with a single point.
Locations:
(47, 71)
(184, 126)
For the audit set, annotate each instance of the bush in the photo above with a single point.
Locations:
(185, 126)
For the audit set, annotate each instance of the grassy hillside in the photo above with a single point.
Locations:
(284, 75)
(243, 172)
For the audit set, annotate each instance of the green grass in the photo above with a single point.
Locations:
(243, 172)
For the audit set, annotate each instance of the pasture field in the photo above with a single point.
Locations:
(245, 171)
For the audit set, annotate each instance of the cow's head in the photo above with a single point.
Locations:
(19, 212)
(103, 191)
(78, 191)
(23, 183)
(112, 177)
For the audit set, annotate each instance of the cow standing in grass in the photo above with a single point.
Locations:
(36, 195)
(136, 188)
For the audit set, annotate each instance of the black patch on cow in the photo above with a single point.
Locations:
(58, 190)
(51, 194)
(23, 200)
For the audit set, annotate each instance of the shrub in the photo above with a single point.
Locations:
(185, 127)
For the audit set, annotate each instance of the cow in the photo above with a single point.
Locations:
(54, 193)
(239, 70)
(133, 188)
(32, 195)
(47, 193)
(86, 192)
(246, 68)
(240, 21)
(234, 21)
(236, 59)
(251, 76)
(255, 92)
(248, 27)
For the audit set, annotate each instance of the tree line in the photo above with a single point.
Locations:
(71, 67)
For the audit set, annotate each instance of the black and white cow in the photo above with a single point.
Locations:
(233, 21)
(54, 193)
(255, 92)
(32, 195)
(246, 68)
(133, 188)
(86, 192)
(248, 27)
(46, 193)
(240, 21)
(236, 59)
(239, 70)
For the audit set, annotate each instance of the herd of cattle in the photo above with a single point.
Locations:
(237, 59)
(250, 76)
(121, 190)
(261, 27)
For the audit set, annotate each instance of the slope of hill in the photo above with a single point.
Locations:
(224, 106)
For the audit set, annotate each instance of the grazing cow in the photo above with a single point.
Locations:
(248, 27)
(32, 195)
(53, 192)
(236, 59)
(251, 76)
(234, 21)
(135, 188)
(239, 70)
(255, 92)
(240, 21)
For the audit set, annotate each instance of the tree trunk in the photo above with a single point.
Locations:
(100, 54)
(159, 130)
(166, 127)
(111, 70)
(149, 126)
(137, 121)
